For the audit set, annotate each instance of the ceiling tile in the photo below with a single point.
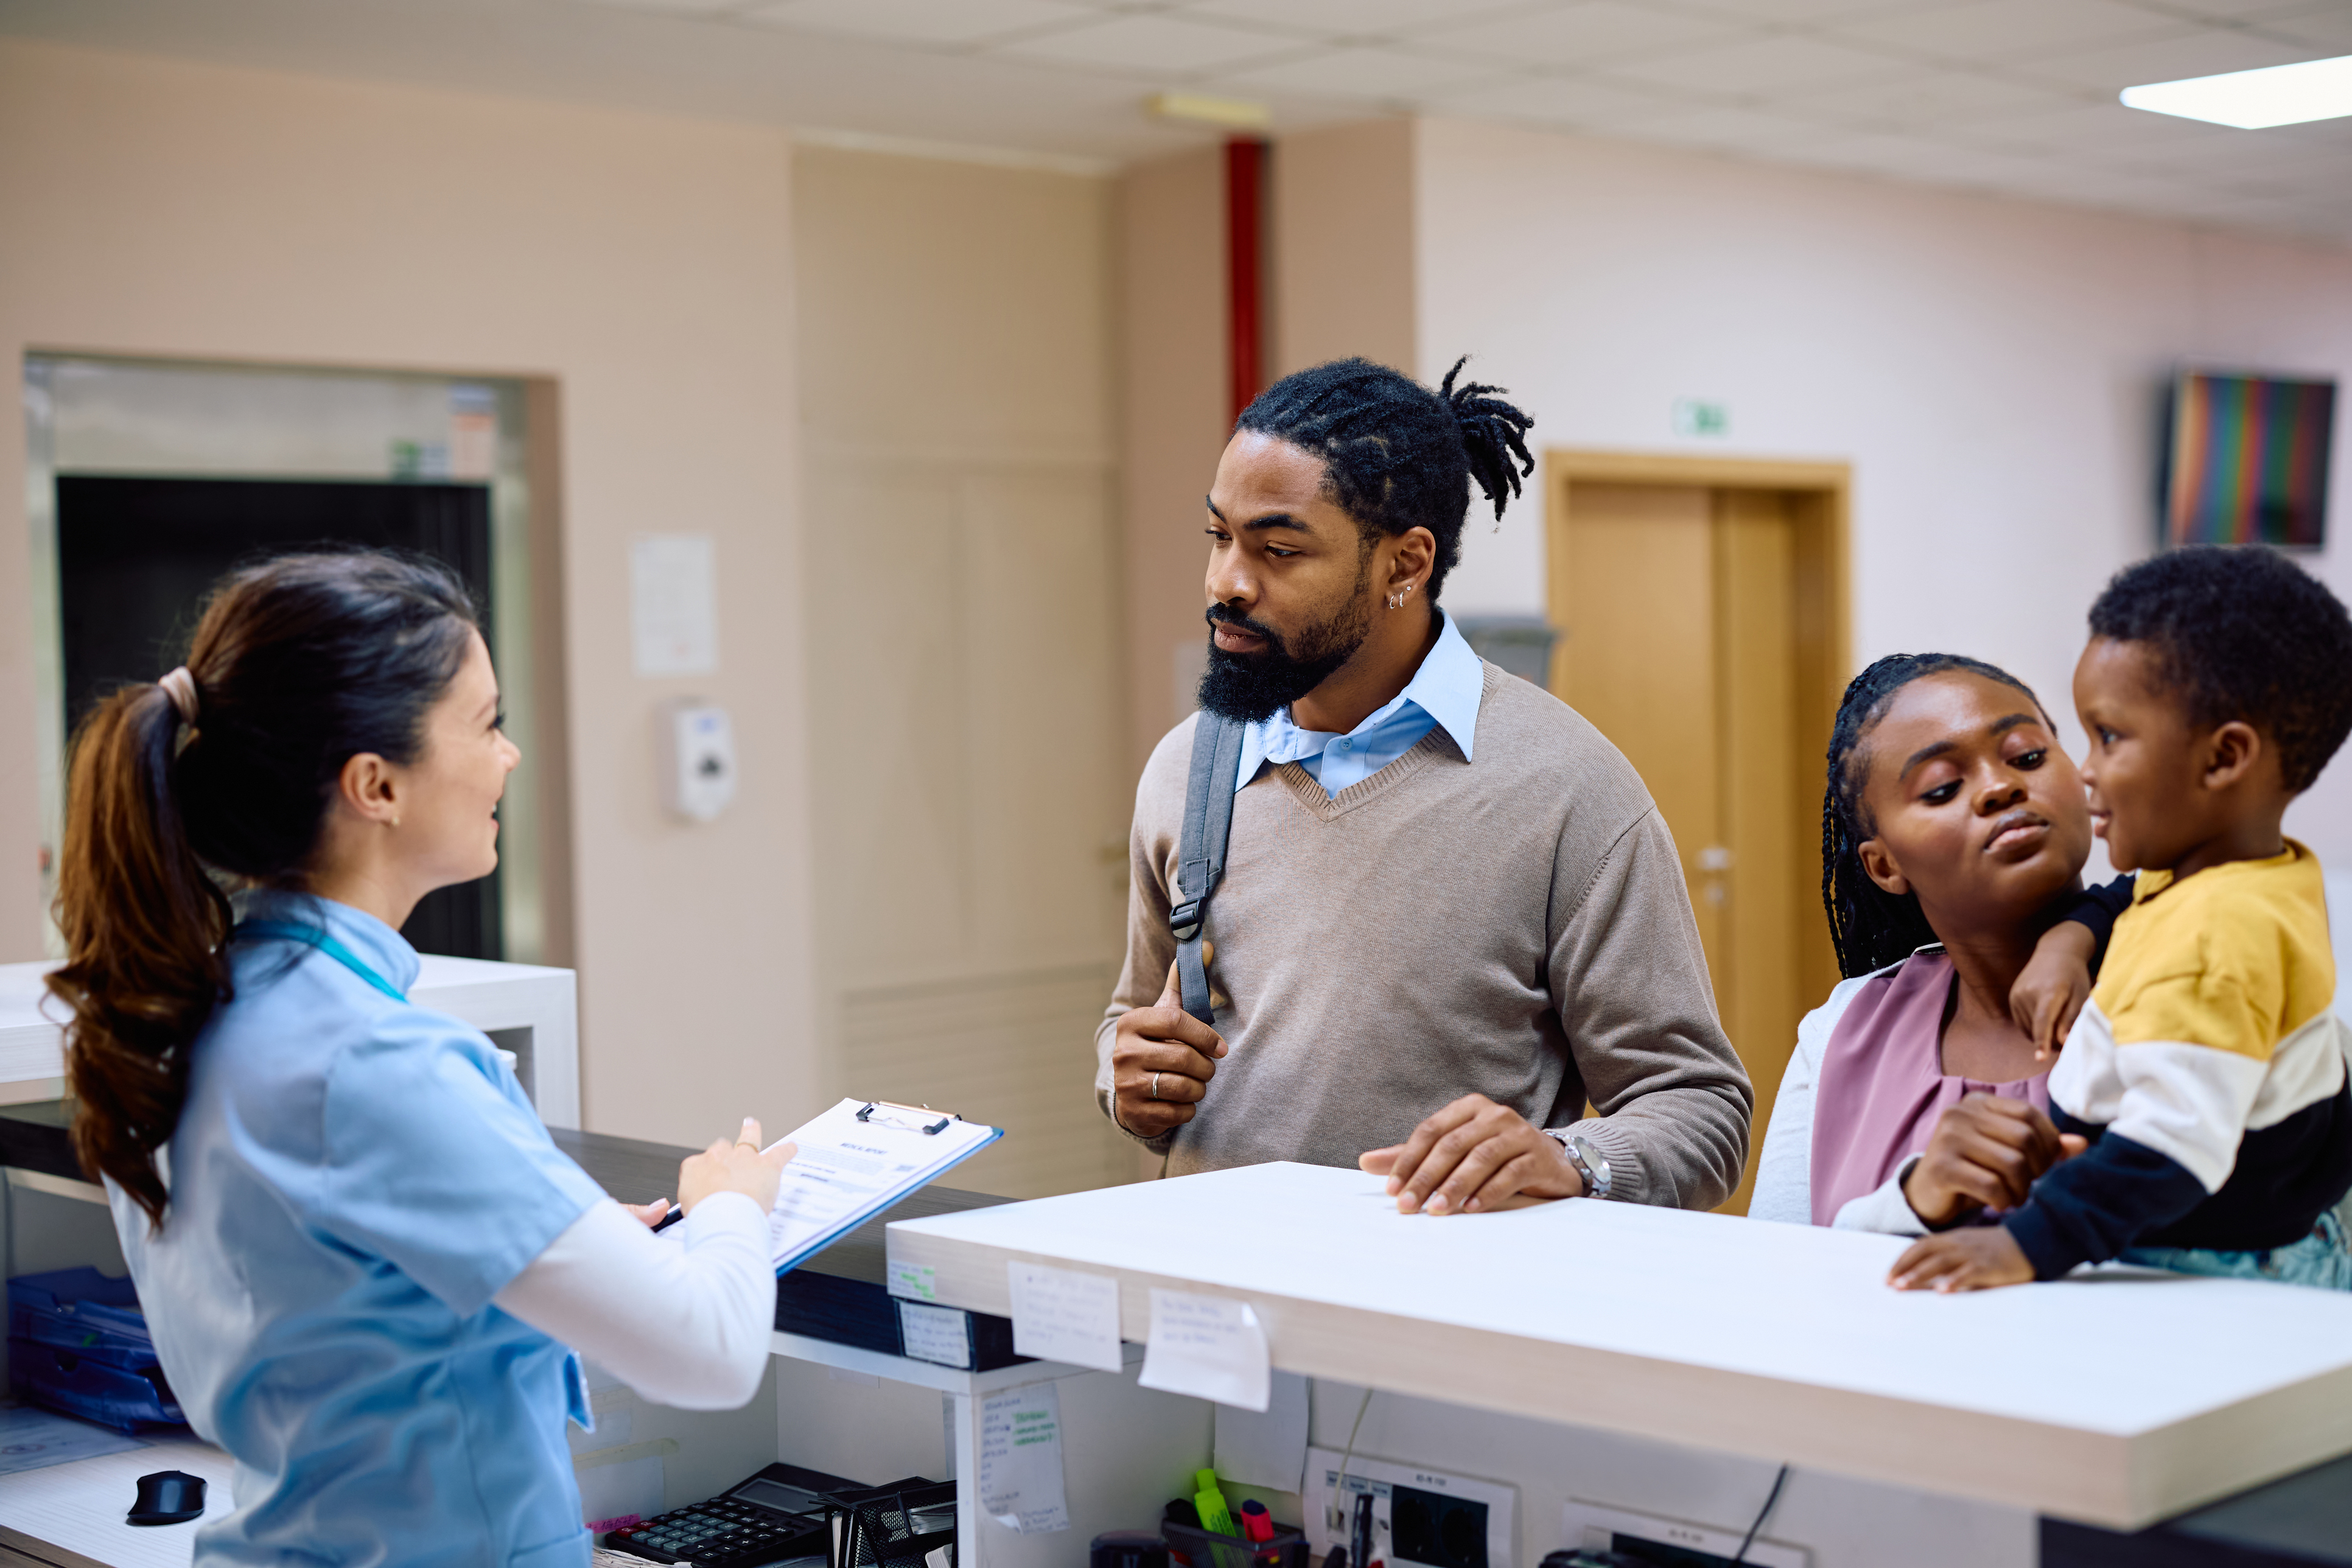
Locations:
(1578, 101)
(1577, 34)
(1944, 97)
(1761, 68)
(1363, 72)
(2222, 10)
(2206, 53)
(1152, 45)
(1349, 18)
(1732, 130)
(676, 8)
(2003, 30)
(2329, 27)
(2101, 124)
(1775, 12)
(917, 21)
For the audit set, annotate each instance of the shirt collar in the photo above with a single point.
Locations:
(1448, 687)
(378, 946)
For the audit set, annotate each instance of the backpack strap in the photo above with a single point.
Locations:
(1201, 854)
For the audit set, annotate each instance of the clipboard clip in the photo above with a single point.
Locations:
(917, 1118)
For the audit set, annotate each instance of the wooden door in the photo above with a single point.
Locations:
(1697, 633)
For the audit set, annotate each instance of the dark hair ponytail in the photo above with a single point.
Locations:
(297, 664)
(1396, 455)
(1870, 927)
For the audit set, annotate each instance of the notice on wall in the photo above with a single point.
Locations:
(1266, 1448)
(1211, 1347)
(1020, 1460)
(1063, 1314)
(674, 602)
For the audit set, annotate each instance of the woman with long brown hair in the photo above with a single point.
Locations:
(363, 1258)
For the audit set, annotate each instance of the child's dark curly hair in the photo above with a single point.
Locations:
(2242, 632)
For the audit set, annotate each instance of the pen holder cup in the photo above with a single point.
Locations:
(1206, 1548)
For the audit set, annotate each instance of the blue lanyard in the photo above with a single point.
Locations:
(314, 937)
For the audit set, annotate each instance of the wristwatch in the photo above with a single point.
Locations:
(1589, 1162)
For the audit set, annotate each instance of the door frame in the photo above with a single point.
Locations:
(1826, 484)
(1820, 503)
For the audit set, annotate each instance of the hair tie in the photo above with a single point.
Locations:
(181, 687)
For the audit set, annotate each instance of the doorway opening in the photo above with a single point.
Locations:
(1701, 610)
(149, 480)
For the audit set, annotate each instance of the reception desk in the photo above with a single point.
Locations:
(2115, 1399)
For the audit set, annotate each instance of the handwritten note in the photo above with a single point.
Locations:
(914, 1282)
(1211, 1347)
(1020, 1460)
(934, 1335)
(1061, 1314)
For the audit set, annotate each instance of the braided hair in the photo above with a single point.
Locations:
(1397, 455)
(1870, 927)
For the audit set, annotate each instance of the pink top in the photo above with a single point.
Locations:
(1883, 1086)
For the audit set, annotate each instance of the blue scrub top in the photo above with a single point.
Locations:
(352, 1180)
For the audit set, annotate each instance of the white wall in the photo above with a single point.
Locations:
(961, 625)
(1990, 368)
(645, 265)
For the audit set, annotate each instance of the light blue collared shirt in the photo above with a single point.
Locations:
(1445, 691)
(353, 1177)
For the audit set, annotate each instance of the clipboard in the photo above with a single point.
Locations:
(855, 1160)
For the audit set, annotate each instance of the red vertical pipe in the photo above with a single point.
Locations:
(1244, 269)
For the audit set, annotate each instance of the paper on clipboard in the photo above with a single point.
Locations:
(851, 1167)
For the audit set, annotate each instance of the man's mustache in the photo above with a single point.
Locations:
(1219, 615)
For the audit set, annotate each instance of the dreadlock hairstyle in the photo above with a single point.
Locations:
(1397, 455)
(1870, 927)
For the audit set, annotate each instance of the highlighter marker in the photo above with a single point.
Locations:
(1215, 1517)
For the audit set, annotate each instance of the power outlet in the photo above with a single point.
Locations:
(1421, 1518)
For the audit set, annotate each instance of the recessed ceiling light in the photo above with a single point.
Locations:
(2275, 95)
(1232, 113)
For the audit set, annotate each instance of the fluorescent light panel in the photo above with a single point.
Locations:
(2275, 95)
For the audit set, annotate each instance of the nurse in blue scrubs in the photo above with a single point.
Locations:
(366, 1265)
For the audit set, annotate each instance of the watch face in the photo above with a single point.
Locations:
(1596, 1167)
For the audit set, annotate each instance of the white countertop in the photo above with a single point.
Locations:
(2117, 1398)
(78, 1513)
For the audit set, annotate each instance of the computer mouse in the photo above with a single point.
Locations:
(169, 1497)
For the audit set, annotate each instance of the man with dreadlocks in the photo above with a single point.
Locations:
(1450, 914)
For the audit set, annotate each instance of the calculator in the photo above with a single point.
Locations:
(775, 1516)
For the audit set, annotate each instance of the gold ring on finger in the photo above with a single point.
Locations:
(747, 1144)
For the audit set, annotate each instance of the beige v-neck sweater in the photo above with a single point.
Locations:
(1516, 926)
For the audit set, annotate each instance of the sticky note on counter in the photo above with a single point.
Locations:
(1065, 1315)
(1211, 1347)
(1020, 1460)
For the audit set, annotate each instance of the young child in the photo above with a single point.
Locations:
(2206, 1070)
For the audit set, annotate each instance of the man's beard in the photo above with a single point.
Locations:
(1250, 687)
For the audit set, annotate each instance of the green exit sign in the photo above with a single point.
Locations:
(1701, 416)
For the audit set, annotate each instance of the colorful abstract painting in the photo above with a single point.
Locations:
(2248, 460)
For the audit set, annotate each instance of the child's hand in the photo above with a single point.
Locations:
(1985, 1152)
(2056, 983)
(1974, 1260)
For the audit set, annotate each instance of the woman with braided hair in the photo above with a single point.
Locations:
(1954, 833)
(1449, 913)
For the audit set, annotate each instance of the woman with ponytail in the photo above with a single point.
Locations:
(1449, 914)
(361, 1257)
(1954, 833)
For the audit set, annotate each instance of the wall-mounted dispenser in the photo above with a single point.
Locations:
(698, 765)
